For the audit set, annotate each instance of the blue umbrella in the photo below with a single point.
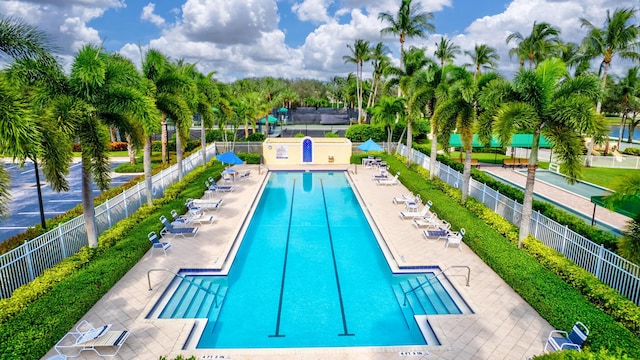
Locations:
(229, 158)
(369, 145)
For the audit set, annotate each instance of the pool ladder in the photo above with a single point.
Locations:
(413, 289)
(215, 296)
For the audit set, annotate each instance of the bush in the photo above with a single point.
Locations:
(331, 135)
(250, 158)
(256, 137)
(299, 135)
(117, 146)
(362, 133)
(217, 135)
(128, 168)
(632, 151)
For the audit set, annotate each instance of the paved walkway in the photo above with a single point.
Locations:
(503, 326)
(572, 201)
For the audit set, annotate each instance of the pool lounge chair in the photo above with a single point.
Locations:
(425, 212)
(441, 231)
(194, 216)
(204, 205)
(157, 244)
(102, 340)
(212, 185)
(560, 340)
(430, 221)
(403, 198)
(175, 231)
(383, 174)
(243, 176)
(455, 239)
(392, 181)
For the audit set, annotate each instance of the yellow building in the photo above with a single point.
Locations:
(307, 150)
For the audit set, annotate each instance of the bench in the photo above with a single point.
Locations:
(474, 162)
(512, 163)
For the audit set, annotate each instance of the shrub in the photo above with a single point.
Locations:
(632, 151)
(117, 146)
(250, 158)
(217, 135)
(362, 133)
(299, 135)
(256, 137)
(331, 135)
(128, 168)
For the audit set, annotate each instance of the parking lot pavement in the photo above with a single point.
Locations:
(23, 206)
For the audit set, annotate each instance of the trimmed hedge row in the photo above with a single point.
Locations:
(41, 312)
(554, 299)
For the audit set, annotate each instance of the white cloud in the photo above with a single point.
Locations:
(149, 15)
(312, 10)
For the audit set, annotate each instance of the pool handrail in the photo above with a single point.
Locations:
(419, 286)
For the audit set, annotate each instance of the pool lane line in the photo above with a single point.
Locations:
(335, 265)
(284, 266)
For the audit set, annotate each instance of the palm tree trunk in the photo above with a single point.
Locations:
(620, 132)
(527, 202)
(409, 142)
(163, 138)
(203, 139)
(88, 210)
(131, 151)
(466, 175)
(434, 153)
(146, 163)
(179, 152)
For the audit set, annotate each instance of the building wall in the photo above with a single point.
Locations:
(288, 151)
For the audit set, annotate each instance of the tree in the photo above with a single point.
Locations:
(409, 22)
(483, 57)
(384, 113)
(618, 36)
(543, 102)
(446, 51)
(629, 245)
(627, 91)
(539, 45)
(460, 110)
(105, 90)
(360, 52)
(380, 61)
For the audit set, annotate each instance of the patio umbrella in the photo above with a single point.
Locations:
(271, 120)
(229, 158)
(369, 145)
(283, 109)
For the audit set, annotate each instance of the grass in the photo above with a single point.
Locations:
(607, 177)
(489, 158)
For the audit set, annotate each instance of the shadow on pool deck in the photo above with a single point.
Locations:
(504, 326)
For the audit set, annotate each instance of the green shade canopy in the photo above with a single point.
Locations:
(272, 120)
(283, 109)
(517, 140)
(630, 207)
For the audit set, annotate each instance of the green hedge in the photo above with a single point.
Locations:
(41, 312)
(555, 300)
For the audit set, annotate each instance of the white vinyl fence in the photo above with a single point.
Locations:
(610, 268)
(24, 263)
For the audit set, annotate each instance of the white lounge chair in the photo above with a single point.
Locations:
(437, 232)
(157, 244)
(392, 181)
(244, 175)
(425, 212)
(205, 205)
(175, 231)
(560, 340)
(455, 239)
(430, 221)
(86, 337)
(213, 186)
(403, 198)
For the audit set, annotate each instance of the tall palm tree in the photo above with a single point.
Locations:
(409, 22)
(483, 57)
(446, 51)
(618, 36)
(105, 91)
(384, 112)
(460, 110)
(540, 44)
(545, 102)
(380, 61)
(627, 90)
(414, 61)
(360, 52)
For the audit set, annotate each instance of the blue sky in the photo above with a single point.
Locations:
(290, 38)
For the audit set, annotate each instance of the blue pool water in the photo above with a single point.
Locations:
(310, 273)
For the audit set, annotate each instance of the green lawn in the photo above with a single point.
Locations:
(606, 177)
(489, 158)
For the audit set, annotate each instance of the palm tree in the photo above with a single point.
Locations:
(545, 102)
(105, 91)
(627, 90)
(483, 57)
(409, 22)
(540, 44)
(384, 112)
(618, 36)
(460, 110)
(446, 51)
(380, 61)
(414, 61)
(208, 95)
(360, 52)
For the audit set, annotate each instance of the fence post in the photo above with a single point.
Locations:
(600, 260)
(108, 209)
(126, 207)
(535, 229)
(29, 261)
(564, 239)
(484, 189)
(495, 203)
(61, 237)
(139, 195)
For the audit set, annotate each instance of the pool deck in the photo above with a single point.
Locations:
(562, 196)
(503, 326)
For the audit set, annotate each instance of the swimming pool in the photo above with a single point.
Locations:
(310, 273)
